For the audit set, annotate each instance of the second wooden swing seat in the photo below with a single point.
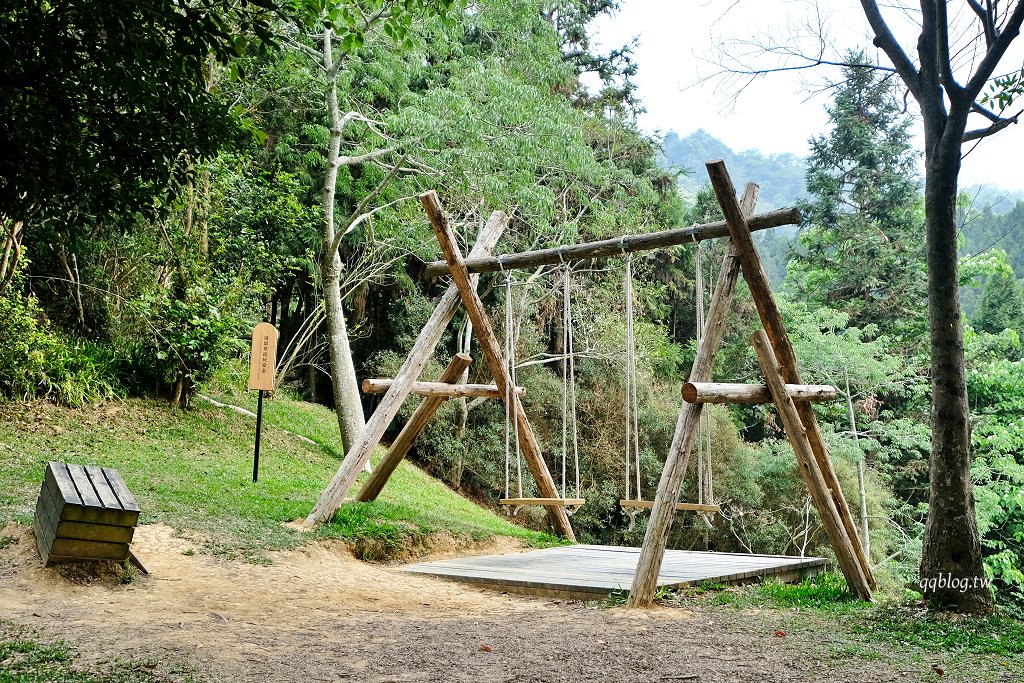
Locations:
(634, 505)
(681, 507)
(543, 502)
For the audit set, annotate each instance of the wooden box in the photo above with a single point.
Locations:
(84, 513)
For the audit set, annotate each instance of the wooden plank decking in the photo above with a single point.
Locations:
(590, 572)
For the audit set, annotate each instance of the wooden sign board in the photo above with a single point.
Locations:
(263, 361)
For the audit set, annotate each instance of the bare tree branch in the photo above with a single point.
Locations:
(995, 53)
(987, 20)
(929, 76)
(359, 214)
(945, 67)
(886, 41)
(812, 63)
(996, 126)
(295, 43)
(374, 265)
(369, 214)
(369, 156)
(986, 112)
(351, 116)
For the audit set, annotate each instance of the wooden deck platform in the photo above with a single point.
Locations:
(591, 572)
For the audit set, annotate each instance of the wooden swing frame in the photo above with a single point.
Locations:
(775, 353)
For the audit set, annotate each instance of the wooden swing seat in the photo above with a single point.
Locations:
(552, 502)
(688, 507)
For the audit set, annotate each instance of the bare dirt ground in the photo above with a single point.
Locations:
(317, 614)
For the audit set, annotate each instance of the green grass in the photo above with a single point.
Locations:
(889, 622)
(825, 592)
(193, 470)
(25, 657)
(898, 630)
(998, 634)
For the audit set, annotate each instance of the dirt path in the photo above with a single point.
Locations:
(317, 614)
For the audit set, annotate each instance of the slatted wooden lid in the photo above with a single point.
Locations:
(91, 487)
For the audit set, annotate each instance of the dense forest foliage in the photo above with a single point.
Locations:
(142, 276)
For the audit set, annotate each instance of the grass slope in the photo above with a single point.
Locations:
(193, 470)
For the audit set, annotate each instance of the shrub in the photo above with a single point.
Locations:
(189, 337)
(24, 342)
(35, 362)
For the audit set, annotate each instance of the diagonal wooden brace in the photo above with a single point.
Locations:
(358, 454)
(771, 318)
(492, 354)
(809, 469)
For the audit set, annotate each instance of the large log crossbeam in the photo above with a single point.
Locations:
(627, 244)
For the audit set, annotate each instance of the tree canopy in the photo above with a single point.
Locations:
(100, 100)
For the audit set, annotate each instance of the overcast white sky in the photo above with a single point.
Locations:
(779, 112)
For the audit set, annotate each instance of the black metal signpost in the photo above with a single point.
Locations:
(262, 365)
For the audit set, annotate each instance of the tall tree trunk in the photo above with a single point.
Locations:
(952, 554)
(347, 405)
(11, 252)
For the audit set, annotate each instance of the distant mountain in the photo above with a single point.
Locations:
(998, 214)
(992, 198)
(781, 176)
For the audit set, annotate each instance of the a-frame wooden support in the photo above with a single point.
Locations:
(805, 434)
(463, 290)
(492, 354)
(358, 454)
(844, 539)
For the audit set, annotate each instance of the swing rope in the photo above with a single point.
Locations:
(569, 419)
(632, 404)
(511, 424)
(569, 386)
(699, 298)
(705, 494)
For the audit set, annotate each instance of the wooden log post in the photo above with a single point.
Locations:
(614, 247)
(359, 453)
(492, 354)
(401, 445)
(771, 318)
(809, 469)
(718, 392)
(443, 388)
(645, 582)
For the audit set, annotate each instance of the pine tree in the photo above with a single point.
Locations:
(861, 249)
(1002, 305)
